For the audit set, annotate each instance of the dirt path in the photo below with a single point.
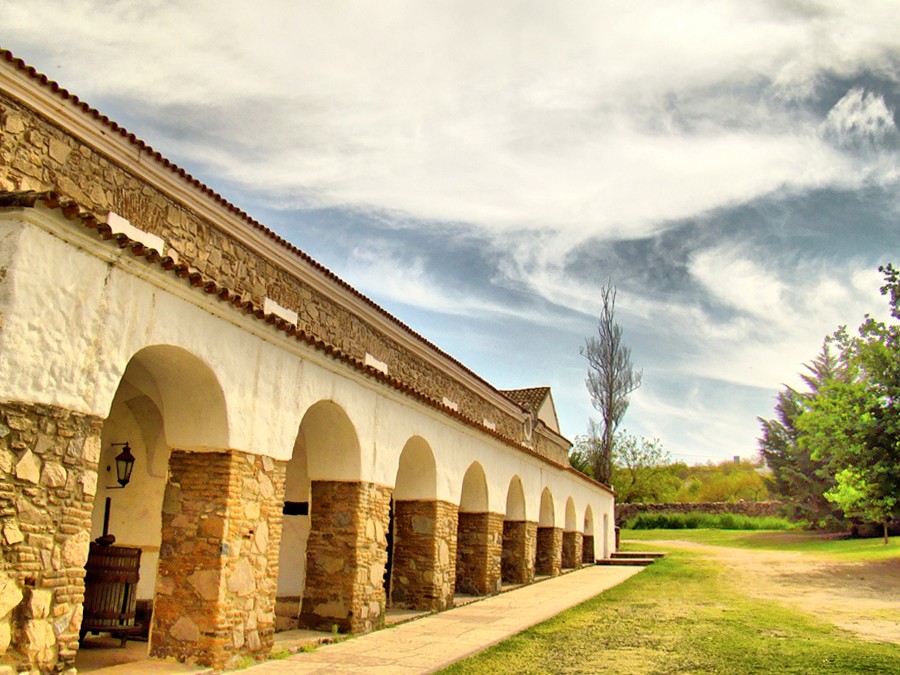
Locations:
(860, 597)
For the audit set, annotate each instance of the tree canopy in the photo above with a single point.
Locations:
(611, 379)
(840, 441)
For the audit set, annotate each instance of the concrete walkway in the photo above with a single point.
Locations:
(435, 641)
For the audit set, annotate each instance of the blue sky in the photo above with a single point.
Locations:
(482, 169)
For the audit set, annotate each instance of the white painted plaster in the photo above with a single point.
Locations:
(376, 364)
(75, 316)
(272, 307)
(120, 225)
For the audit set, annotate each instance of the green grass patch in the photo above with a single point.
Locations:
(682, 614)
(806, 542)
(714, 521)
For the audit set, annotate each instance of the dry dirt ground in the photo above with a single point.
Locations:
(862, 597)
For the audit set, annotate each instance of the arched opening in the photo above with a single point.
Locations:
(519, 538)
(587, 556)
(479, 535)
(339, 543)
(326, 446)
(168, 400)
(412, 546)
(294, 537)
(548, 558)
(572, 538)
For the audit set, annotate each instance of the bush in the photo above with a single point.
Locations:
(710, 521)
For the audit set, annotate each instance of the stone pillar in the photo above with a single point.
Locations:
(587, 549)
(423, 567)
(218, 563)
(48, 479)
(345, 556)
(549, 551)
(519, 545)
(479, 548)
(572, 550)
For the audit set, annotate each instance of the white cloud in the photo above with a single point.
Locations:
(860, 118)
(508, 116)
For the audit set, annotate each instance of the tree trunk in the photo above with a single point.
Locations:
(886, 539)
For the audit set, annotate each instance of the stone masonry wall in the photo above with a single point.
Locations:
(572, 551)
(346, 556)
(625, 512)
(549, 551)
(48, 479)
(587, 549)
(478, 554)
(37, 155)
(446, 526)
(420, 561)
(519, 548)
(218, 566)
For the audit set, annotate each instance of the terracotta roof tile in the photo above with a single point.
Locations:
(529, 399)
(73, 211)
(64, 94)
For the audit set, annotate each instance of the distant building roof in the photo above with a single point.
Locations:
(530, 399)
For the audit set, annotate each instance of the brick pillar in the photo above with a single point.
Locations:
(422, 565)
(479, 547)
(519, 544)
(345, 556)
(587, 549)
(549, 551)
(218, 564)
(48, 479)
(572, 551)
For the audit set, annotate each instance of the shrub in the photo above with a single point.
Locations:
(711, 521)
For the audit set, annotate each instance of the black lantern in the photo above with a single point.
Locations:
(124, 464)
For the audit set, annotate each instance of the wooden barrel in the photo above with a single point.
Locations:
(110, 592)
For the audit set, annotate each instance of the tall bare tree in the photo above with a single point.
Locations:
(611, 379)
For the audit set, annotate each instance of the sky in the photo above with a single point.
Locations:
(481, 170)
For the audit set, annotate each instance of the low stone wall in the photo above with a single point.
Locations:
(625, 512)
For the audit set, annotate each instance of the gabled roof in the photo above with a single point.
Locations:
(529, 399)
(538, 402)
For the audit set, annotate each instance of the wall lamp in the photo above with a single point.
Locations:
(124, 465)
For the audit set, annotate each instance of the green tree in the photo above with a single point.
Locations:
(854, 422)
(610, 381)
(799, 477)
(642, 470)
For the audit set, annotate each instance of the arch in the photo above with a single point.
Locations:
(330, 441)
(417, 472)
(410, 564)
(589, 521)
(186, 392)
(167, 399)
(474, 495)
(295, 527)
(547, 516)
(571, 518)
(515, 500)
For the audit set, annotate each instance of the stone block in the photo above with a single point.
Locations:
(28, 468)
(185, 630)
(206, 583)
(12, 535)
(39, 603)
(54, 475)
(10, 594)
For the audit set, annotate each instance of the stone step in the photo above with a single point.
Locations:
(636, 562)
(638, 554)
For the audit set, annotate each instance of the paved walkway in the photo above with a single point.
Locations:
(434, 642)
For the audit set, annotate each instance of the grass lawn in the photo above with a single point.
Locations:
(684, 614)
(804, 542)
